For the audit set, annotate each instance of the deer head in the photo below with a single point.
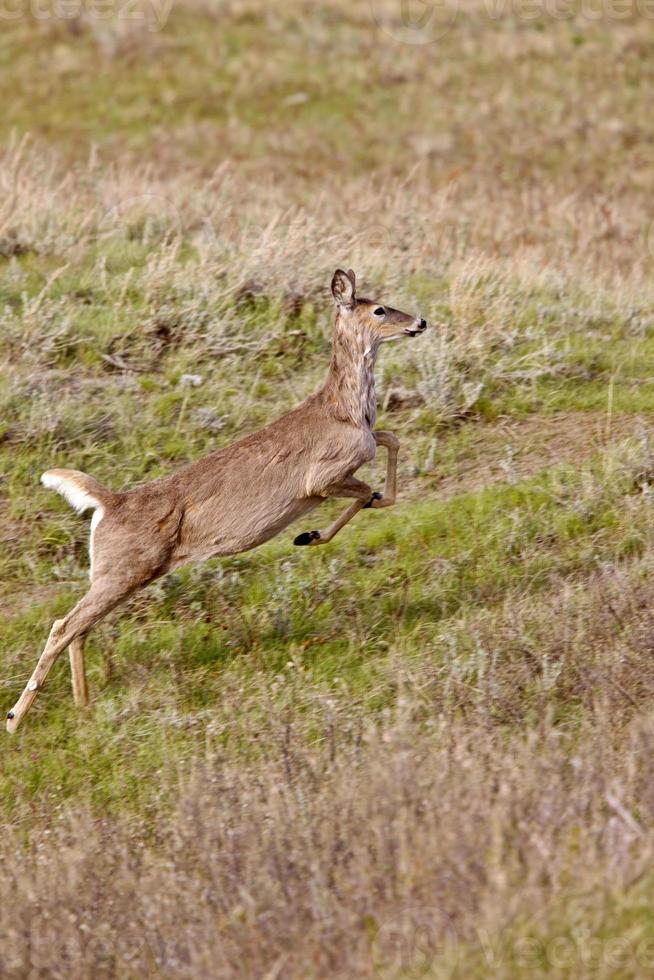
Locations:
(372, 321)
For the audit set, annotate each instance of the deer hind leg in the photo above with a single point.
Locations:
(351, 487)
(102, 597)
(78, 672)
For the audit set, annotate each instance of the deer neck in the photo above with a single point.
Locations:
(350, 386)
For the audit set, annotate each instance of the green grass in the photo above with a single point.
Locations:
(396, 581)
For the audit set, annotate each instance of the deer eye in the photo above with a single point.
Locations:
(380, 311)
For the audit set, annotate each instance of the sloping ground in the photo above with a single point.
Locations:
(512, 450)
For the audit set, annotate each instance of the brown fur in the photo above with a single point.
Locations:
(242, 495)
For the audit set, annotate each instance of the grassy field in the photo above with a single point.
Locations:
(424, 750)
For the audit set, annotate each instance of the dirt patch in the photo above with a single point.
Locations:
(13, 604)
(510, 451)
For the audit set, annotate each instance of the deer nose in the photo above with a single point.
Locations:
(423, 324)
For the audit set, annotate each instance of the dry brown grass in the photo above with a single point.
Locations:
(316, 862)
(430, 842)
(462, 231)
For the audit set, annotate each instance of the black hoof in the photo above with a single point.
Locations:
(307, 537)
(10, 715)
(375, 496)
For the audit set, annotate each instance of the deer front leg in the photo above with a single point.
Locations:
(391, 443)
(350, 487)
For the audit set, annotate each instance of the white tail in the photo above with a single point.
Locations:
(81, 491)
(240, 496)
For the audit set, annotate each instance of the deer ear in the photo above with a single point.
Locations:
(343, 289)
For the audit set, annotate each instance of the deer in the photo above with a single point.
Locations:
(239, 496)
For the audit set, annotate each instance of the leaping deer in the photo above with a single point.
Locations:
(239, 496)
